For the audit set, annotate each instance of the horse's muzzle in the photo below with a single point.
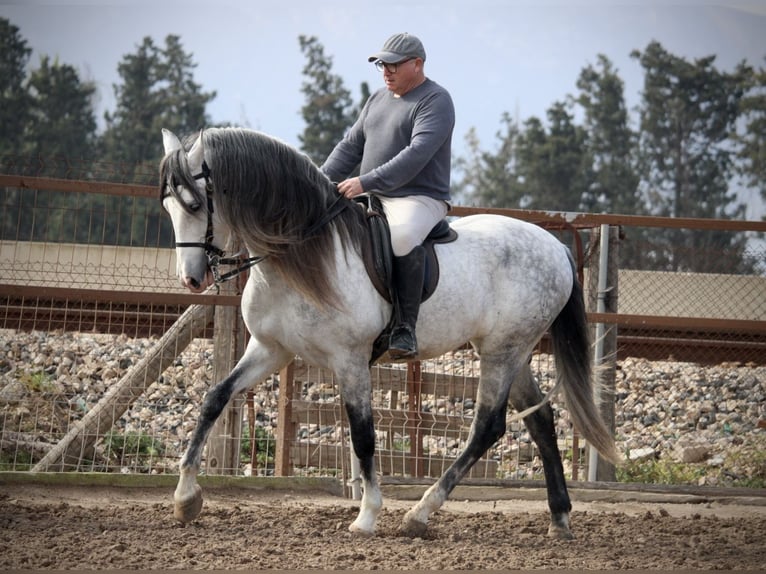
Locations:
(195, 286)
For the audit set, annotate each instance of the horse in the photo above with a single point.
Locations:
(503, 284)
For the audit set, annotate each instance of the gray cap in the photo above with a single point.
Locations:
(400, 47)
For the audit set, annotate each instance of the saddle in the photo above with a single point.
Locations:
(378, 260)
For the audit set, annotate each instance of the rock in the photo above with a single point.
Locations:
(663, 408)
(691, 452)
(645, 453)
(13, 392)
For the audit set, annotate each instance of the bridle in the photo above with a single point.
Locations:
(216, 256)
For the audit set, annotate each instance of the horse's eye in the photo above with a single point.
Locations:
(195, 207)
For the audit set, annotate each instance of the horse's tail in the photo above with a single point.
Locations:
(571, 347)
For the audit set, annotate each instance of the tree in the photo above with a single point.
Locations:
(687, 113)
(62, 121)
(329, 110)
(157, 91)
(60, 134)
(609, 141)
(552, 165)
(751, 136)
(15, 100)
(182, 98)
(489, 178)
(610, 147)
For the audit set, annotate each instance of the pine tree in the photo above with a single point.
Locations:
(751, 134)
(62, 121)
(489, 178)
(552, 164)
(610, 142)
(329, 110)
(157, 91)
(688, 111)
(15, 100)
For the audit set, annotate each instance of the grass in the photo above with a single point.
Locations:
(728, 474)
(132, 446)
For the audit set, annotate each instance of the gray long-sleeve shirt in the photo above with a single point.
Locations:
(403, 143)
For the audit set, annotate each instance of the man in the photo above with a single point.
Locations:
(402, 139)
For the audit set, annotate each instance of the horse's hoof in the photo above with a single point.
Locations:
(360, 532)
(188, 509)
(560, 532)
(413, 528)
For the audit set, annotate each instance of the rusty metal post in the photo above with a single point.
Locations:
(230, 339)
(414, 380)
(283, 465)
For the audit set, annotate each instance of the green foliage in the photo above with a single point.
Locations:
(265, 444)
(401, 444)
(489, 179)
(751, 132)
(62, 122)
(659, 471)
(688, 113)
(329, 110)
(752, 457)
(19, 460)
(48, 114)
(681, 162)
(157, 91)
(663, 470)
(15, 100)
(132, 446)
(550, 162)
(37, 381)
(609, 143)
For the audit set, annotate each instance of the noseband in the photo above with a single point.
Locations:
(216, 256)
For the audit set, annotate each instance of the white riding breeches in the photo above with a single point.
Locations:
(411, 218)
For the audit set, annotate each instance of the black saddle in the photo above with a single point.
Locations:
(378, 259)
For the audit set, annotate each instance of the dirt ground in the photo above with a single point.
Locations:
(122, 528)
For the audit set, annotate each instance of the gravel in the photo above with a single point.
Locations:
(712, 417)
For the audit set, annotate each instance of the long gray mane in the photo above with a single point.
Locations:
(271, 196)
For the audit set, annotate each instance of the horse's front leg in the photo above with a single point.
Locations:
(357, 398)
(256, 364)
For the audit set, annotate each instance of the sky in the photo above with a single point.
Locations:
(494, 56)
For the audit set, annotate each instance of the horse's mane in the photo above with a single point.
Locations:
(271, 195)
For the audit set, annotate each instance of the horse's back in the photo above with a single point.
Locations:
(494, 243)
(502, 278)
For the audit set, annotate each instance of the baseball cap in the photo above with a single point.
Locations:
(400, 47)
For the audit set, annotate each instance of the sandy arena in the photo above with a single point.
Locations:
(57, 528)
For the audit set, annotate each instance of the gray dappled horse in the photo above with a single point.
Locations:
(503, 283)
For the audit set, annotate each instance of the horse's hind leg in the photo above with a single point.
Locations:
(488, 426)
(357, 399)
(524, 394)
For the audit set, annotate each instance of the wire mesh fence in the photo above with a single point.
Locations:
(79, 309)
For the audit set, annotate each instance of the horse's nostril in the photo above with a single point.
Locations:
(193, 282)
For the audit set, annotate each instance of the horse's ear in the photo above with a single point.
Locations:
(196, 154)
(170, 141)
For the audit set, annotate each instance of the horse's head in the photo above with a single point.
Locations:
(187, 195)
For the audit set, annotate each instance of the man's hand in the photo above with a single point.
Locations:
(350, 187)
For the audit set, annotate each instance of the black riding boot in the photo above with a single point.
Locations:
(409, 274)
